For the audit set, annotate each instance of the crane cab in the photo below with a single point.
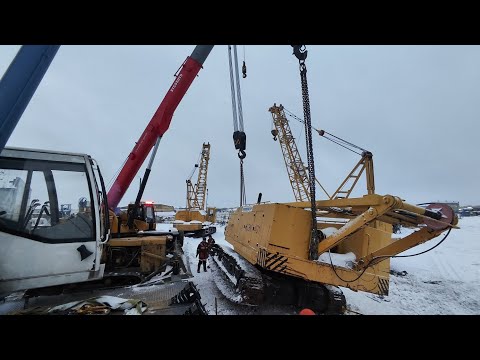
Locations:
(52, 219)
(143, 220)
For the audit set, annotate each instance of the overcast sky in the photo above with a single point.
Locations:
(416, 108)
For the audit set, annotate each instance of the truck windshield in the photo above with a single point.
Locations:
(48, 201)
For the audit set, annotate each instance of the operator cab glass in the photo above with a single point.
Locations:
(150, 215)
(47, 201)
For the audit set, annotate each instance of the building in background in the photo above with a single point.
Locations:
(455, 205)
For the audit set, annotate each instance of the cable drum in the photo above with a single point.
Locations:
(447, 216)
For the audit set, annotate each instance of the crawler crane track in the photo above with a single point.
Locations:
(256, 287)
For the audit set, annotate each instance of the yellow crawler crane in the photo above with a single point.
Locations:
(299, 253)
(354, 252)
(191, 219)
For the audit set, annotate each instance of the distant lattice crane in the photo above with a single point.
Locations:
(297, 171)
(196, 193)
(197, 218)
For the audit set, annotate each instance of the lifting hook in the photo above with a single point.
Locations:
(275, 134)
(241, 154)
(300, 52)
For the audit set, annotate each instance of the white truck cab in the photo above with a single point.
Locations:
(41, 245)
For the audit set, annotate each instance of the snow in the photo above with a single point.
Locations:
(164, 227)
(207, 282)
(165, 213)
(329, 231)
(343, 260)
(445, 280)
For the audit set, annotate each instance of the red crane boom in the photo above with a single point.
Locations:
(159, 123)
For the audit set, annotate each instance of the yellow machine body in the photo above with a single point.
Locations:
(152, 250)
(276, 237)
(187, 216)
(152, 247)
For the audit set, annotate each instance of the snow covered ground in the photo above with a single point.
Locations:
(210, 283)
(445, 280)
(204, 280)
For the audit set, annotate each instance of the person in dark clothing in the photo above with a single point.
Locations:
(202, 253)
(210, 242)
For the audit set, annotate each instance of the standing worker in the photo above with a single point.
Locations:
(210, 242)
(202, 253)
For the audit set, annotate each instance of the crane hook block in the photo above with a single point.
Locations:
(275, 134)
(300, 52)
(244, 70)
(240, 140)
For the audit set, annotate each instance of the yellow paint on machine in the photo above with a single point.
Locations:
(276, 237)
